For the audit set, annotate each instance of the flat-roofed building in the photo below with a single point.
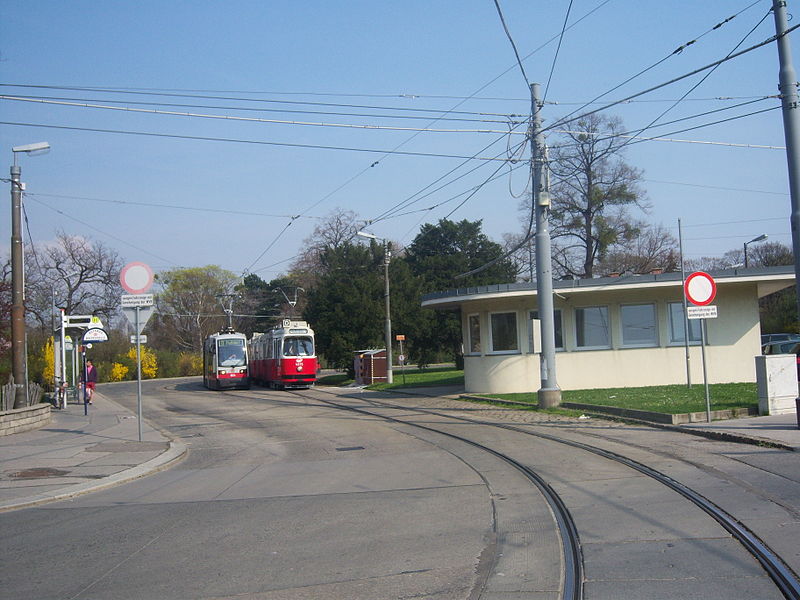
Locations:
(612, 331)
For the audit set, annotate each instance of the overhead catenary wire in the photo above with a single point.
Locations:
(676, 51)
(245, 141)
(696, 85)
(563, 121)
(171, 113)
(94, 227)
(171, 206)
(558, 49)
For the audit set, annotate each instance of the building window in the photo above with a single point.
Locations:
(474, 331)
(676, 333)
(504, 332)
(559, 335)
(591, 327)
(638, 325)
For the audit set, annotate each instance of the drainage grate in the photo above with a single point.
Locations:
(39, 473)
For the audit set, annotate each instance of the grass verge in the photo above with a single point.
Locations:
(668, 399)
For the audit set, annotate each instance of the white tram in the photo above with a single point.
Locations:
(225, 364)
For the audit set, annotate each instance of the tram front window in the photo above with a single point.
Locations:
(231, 355)
(299, 346)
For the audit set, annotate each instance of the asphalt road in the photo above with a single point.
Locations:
(284, 497)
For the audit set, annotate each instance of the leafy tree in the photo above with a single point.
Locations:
(438, 255)
(188, 306)
(267, 302)
(593, 187)
(343, 304)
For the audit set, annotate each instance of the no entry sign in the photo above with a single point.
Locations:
(136, 278)
(700, 288)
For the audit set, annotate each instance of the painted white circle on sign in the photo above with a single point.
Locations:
(136, 278)
(700, 288)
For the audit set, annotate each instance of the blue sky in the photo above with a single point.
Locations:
(180, 202)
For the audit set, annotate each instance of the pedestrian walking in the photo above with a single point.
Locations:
(91, 380)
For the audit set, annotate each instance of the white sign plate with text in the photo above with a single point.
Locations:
(701, 312)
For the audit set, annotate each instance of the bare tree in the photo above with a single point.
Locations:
(592, 187)
(337, 229)
(653, 248)
(82, 277)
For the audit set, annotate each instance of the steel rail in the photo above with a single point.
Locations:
(572, 577)
(783, 577)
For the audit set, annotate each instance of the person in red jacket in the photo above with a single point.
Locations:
(91, 380)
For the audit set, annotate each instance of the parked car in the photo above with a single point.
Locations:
(768, 338)
(790, 347)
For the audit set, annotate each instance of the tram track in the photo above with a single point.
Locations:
(572, 576)
(780, 574)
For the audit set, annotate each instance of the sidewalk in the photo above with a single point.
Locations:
(780, 430)
(77, 453)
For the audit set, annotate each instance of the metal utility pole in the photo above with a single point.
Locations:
(791, 129)
(387, 256)
(685, 311)
(17, 292)
(550, 394)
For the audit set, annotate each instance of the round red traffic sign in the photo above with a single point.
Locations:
(700, 288)
(136, 278)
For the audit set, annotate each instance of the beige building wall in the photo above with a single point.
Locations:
(732, 344)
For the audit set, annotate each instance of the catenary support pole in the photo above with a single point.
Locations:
(388, 329)
(17, 293)
(685, 310)
(549, 394)
(791, 132)
(791, 129)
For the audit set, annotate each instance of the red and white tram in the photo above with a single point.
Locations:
(225, 361)
(285, 356)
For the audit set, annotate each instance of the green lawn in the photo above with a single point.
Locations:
(669, 399)
(432, 376)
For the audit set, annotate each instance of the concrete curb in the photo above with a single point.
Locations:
(176, 452)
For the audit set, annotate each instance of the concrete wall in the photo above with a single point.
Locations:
(733, 342)
(24, 419)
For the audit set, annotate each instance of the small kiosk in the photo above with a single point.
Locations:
(370, 366)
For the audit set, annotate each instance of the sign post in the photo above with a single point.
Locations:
(701, 289)
(137, 279)
(402, 358)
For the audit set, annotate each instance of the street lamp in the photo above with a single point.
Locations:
(388, 327)
(18, 354)
(760, 238)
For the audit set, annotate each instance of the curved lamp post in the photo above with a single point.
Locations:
(18, 351)
(760, 238)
